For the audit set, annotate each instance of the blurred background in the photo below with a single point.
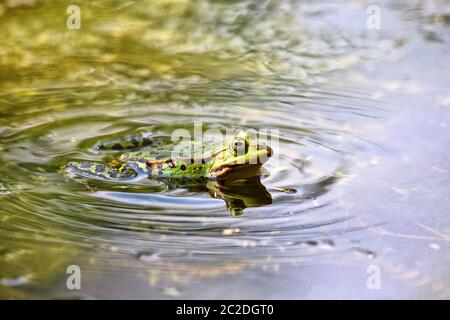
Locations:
(357, 92)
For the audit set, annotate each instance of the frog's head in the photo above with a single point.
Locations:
(239, 158)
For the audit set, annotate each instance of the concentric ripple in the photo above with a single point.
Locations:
(244, 70)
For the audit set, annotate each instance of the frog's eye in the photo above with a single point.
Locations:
(239, 146)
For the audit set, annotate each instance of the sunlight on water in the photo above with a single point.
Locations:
(155, 66)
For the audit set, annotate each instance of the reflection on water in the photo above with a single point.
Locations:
(155, 66)
(240, 194)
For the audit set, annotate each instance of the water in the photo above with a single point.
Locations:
(362, 172)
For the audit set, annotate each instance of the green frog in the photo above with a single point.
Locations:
(226, 169)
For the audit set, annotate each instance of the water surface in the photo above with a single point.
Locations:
(360, 180)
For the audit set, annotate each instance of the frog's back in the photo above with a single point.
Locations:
(183, 161)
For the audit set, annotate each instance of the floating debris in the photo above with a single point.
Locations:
(4, 189)
(434, 246)
(15, 282)
(368, 253)
(148, 257)
(402, 191)
(171, 292)
(229, 232)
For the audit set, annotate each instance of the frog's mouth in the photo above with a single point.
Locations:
(236, 171)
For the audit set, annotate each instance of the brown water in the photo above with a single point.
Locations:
(361, 177)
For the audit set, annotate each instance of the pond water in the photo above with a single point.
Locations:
(357, 188)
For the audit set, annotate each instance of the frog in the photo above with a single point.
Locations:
(226, 169)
